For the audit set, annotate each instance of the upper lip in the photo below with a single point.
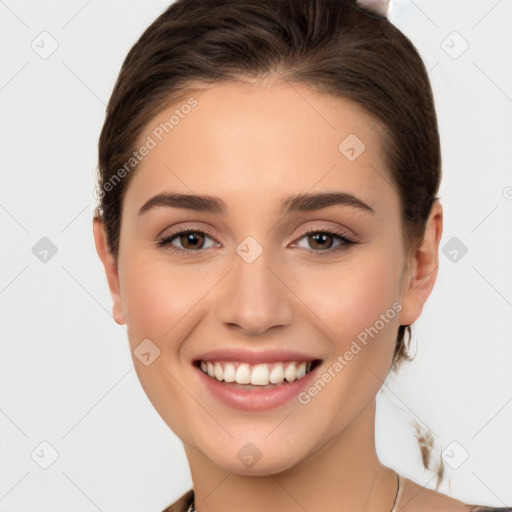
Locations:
(253, 356)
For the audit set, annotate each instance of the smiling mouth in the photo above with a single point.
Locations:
(261, 376)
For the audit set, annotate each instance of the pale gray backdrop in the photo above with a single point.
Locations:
(76, 430)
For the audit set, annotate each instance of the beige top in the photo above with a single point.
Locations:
(185, 502)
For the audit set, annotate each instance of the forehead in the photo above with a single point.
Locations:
(245, 141)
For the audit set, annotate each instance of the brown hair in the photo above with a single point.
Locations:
(333, 46)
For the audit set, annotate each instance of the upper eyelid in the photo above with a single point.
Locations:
(329, 229)
(337, 232)
(332, 226)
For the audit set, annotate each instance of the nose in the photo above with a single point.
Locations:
(255, 296)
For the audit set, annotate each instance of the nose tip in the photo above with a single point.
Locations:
(253, 299)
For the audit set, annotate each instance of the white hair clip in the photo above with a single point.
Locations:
(381, 7)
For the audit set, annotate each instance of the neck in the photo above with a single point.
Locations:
(344, 474)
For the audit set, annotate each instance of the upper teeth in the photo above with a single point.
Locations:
(258, 374)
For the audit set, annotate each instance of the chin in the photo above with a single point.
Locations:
(253, 459)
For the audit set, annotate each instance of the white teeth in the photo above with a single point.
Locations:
(243, 374)
(277, 374)
(290, 373)
(258, 374)
(218, 371)
(301, 370)
(229, 373)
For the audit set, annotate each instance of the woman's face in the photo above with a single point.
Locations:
(280, 273)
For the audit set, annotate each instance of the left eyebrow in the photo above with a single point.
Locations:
(317, 201)
(290, 204)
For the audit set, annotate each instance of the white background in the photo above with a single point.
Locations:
(66, 376)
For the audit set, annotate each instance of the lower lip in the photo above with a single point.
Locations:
(255, 399)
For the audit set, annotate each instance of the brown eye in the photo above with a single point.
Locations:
(188, 240)
(324, 242)
(321, 241)
(192, 240)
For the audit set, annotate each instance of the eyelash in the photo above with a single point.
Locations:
(346, 241)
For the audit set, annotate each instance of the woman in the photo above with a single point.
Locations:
(269, 226)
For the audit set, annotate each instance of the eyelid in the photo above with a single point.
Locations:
(331, 231)
(346, 240)
(179, 228)
(329, 227)
(165, 241)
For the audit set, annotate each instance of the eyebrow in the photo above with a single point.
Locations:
(297, 203)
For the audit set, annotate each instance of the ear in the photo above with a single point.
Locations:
(110, 264)
(421, 270)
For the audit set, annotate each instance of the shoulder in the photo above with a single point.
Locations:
(181, 504)
(416, 498)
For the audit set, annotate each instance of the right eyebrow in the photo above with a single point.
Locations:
(202, 203)
(290, 204)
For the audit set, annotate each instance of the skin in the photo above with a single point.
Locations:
(251, 145)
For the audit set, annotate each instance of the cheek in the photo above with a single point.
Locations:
(164, 301)
(351, 297)
(158, 297)
(162, 304)
(359, 308)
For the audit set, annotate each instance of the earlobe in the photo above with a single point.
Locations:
(111, 270)
(422, 268)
